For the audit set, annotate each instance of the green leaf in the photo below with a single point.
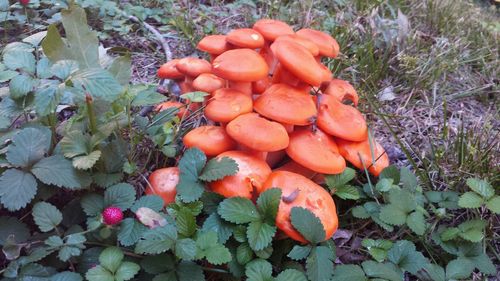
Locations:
(186, 222)
(319, 264)
(348, 272)
(145, 95)
(244, 253)
(260, 235)
(46, 216)
(130, 231)
(403, 200)
(153, 202)
(404, 254)
(67, 252)
(46, 100)
(190, 271)
(21, 85)
(54, 241)
(92, 204)
(238, 210)
(17, 188)
(10, 226)
(450, 233)
(470, 200)
(19, 59)
(384, 185)
(120, 195)
(214, 252)
(111, 258)
(484, 264)
(360, 212)
(472, 230)
(85, 162)
(347, 192)
(408, 179)
(185, 249)
(121, 69)
(459, 268)
(392, 215)
(219, 226)
(28, 146)
(197, 96)
(98, 82)
(481, 187)
(299, 252)
(391, 172)
(58, 171)
(66, 276)
(190, 165)
(493, 204)
(75, 143)
(127, 271)
(432, 272)
(382, 270)
(6, 75)
(64, 68)
(268, 203)
(377, 248)
(157, 241)
(336, 181)
(416, 222)
(54, 47)
(43, 68)
(99, 273)
(307, 224)
(291, 275)
(259, 270)
(218, 168)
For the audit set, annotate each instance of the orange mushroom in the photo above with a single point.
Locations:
(248, 181)
(212, 140)
(227, 104)
(299, 191)
(360, 155)
(169, 104)
(294, 167)
(169, 70)
(306, 43)
(192, 67)
(342, 90)
(208, 82)
(163, 182)
(214, 45)
(315, 150)
(328, 46)
(245, 38)
(259, 86)
(270, 30)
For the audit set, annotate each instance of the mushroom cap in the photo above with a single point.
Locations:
(163, 182)
(193, 67)
(342, 90)
(272, 29)
(259, 86)
(245, 38)
(212, 140)
(316, 151)
(328, 46)
(169, 104)
(353, 151)
(306, 43)
(258, 133)
(285, 104)
(227, 104)
(252, 172)
(294, 167)
(299, 61)
(340, 120)
(169, 71)
(299, 191)
(243, 65)
(213, 44)
(208, 82)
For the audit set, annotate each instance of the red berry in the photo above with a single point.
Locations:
(24, 2)
(112, 215)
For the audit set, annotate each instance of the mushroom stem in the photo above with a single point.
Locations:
(244, 87)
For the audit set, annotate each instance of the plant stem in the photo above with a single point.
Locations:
(91, 114)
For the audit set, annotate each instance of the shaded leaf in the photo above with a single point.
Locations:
(58, 171)
(17, 188)
(218, 168)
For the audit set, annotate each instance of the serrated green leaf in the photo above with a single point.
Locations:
(145, 95)
(348, 272)
(403, 200)
(268, 203)
(336, 181)
(417, 223)
(190, 165)
(431, 272)
(67, 276)
(190, 271)
(472, 230)
(99, 83)
(130, 231)
(408, 179)
(260, 235)
(484, 264)
(6, 75)
(46, 100)
(481, 187)
(238, 210)
(493, 204)
(127, 271)
(64, 68)
(92, 204)
(121, 69)
(244, 253)
(120, 195)
(185, 249)
(470, 200)
(153, 202)
(382, 270)
(291, 275)
(57, 170)
(85, 162)
(111, 258)
(259, 270)
(218, 255)
(107, 180)
(450, 233)
(299, 252)
(186, 222)
(319, 264)
(10, 226)
(46, 216)
(377, 248)
(43, 68)
(403, 253)
(54, 241)
(218, 168)
(347, 192)
(157, 241)
(20, 59)
(28, 146)
(99, 273)
(392, 215)
(391, 172)
(459, 268)
(197, 96)
(75, 143)
(17, 188)
(384, 185)
(307, 224)
(222, 228)
(360, 212)
(21, 85)
(66, 252)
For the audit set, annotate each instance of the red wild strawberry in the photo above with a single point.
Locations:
(112, 215)
(24, 2)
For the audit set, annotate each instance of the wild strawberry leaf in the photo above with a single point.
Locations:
(319, 264)
(111, 258)
(244, 253)
(336, 181)
(191, 164)
(85, 162)
(348, 272)
(10, 226)
(185, 249)
(186, 222)
(190, 271)
(291, 275)
(127, 271)
(493, 204)
(130, 231)
(28, 146)
(219, 226)
(66, 276)
(99, 83)
(260, 235)
(46, 99)
(157, 241)
(404, 254)
(17, 189)
(307, 224)
(46, 216)
(238, 210)
(217, 169)
(92, 204)
(299, 252)
(268, 203)
(209, 248)
(120, 195)
(385, 271)
(347, 192)
(259, 270)
(481, 187)
(416, 222)
(21, 85)
(57, 170)
(20, 60)
(470, 200)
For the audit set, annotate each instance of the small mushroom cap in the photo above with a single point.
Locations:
(252, 172)
(242, 65)
(258, 133)
(169, 104)
(294, 167)
(340, 120)
(272, 29)
(213, 44)
(306, 43)
(259, 86)
(193, 67)
(163, 182)
(342, 90)
(169, 70)
(285, 104)
(245, 38)
(212, 140)
(299, 61)
(328, 46)
(208, 82)
(316, 151)
(299, 191)
(354, 152)
(227, 104)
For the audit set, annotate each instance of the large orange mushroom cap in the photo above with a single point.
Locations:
(240, 65)
(163, 182)
(299, 191)
(272, 29)
(328, 46)
(252, 172)
(258, 133)
(308, 44)
(342, 90)
(169, 70)
(359, 153)
(208, 82)
(227, 104)
(340, 120)
(316, 151)
(245, 38)
(212, 140)
(193, 67)
(213, 44)
(285, 104)
(299, 61)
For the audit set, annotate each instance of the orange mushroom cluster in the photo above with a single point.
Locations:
(273, 105)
